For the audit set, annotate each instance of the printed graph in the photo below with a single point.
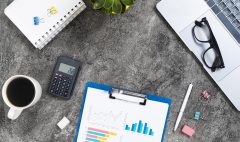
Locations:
(140, 127)
(98, 135)
(108, 119)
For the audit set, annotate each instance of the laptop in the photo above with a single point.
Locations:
(223, 17)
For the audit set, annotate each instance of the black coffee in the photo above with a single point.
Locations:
(20, 92)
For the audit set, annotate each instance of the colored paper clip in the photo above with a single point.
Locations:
(37, 20)
(205, 95)
(51, 11)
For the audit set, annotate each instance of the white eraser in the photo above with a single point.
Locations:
(63, 123)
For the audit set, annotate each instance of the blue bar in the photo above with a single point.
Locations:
(145, 130)
(140, 125)
(96, 133)
(127, 127)
(134, 127)
(151, 132)
(92, 140)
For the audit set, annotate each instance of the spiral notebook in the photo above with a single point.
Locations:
(111, 114)
(41, 20)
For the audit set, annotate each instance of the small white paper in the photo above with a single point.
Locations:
(63, 123)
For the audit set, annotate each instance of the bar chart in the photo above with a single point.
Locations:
(98, 135)
(140, 127)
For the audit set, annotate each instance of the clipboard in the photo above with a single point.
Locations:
(94, 123)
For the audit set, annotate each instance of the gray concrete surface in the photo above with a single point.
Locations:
(137, 50)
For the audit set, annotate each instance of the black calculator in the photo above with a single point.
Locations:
(64, 76)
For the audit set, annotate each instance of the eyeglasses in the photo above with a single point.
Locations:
(212, 56)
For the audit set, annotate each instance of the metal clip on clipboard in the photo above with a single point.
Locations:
(128, 96)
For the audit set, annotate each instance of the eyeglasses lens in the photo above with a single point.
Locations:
(202, 33)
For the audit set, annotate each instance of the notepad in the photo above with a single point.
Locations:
(114, 115)
(41, 20)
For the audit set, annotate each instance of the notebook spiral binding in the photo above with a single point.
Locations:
(62, 23)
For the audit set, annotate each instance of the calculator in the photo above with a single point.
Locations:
(64, 77)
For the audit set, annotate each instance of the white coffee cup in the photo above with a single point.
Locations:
(17, 93)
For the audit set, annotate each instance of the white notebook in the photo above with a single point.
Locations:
(41, 20)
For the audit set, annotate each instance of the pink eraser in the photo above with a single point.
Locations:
(188, 130)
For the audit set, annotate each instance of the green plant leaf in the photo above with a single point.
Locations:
(107, 11)
(127, 2)
(93, 1)
(108, 4)
(98, 4)
(124, 8)
(117, 6)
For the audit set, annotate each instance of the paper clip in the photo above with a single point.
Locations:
(51, 11)
(205, 95)
(37, 20)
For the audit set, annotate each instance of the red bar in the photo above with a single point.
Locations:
(92, 136)
(97, 130)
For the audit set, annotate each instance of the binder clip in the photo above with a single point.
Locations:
(128, 96)
(37, 20)
(205, 95)
(51, 11)
(197, 115)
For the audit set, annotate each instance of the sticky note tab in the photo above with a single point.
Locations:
(63, 123)
(197, 115)
(188, 130)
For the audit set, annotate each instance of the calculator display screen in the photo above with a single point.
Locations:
(66, 69)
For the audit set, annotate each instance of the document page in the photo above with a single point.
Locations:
(112, 120)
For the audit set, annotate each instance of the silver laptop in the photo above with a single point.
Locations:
(188, 19)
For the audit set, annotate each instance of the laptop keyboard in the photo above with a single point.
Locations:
(228, 11)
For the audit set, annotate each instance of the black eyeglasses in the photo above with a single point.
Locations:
(212, 56)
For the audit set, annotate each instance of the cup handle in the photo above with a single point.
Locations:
(14, 113)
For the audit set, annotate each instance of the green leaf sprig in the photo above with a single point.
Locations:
(112, 6)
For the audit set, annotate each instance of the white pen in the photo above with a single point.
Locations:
(183, 106)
